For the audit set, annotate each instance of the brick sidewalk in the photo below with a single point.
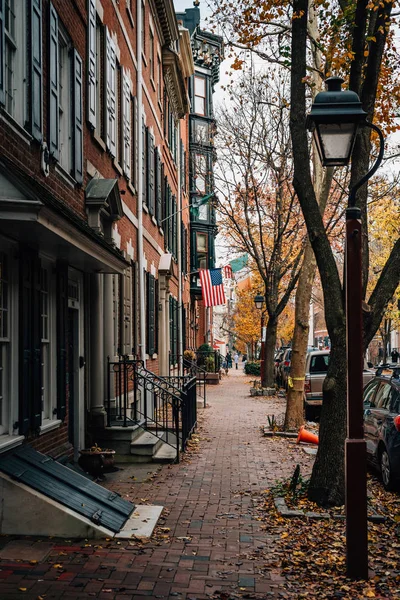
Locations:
(208, 541)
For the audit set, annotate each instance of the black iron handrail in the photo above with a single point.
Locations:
(170, 415)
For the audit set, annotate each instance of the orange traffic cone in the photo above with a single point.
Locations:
(306, 436)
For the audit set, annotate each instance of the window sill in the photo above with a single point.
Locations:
(128, 10)
(117, 167)
(144, 59)
(145, 208)
(65, 175)
(153, 85)
(16, 127)
(131, 188)
(10, 441)
(161, 230)
(49, 425)
(154, 220)
(98, 139)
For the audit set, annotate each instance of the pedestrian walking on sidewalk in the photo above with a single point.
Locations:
(236, 359)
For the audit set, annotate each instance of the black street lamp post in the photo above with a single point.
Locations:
(259, 302)
(335, 117)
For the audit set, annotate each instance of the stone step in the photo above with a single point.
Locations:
(165, 454)
(146, 444)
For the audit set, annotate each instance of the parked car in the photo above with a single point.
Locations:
(286, 364)
(284, 367)
(317, 363)
(382, 424)
(277, 360)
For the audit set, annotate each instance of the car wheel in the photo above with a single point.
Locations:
(309, 413)
(386, 470)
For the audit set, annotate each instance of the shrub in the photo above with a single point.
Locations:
(189, 355)
(252, 368)
(209, 364)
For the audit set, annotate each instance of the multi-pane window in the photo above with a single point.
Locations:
(200, 173)
(143, 29)
(99, 78)
(201, 250)
(45, 341)
(159, 81)
(203, 212)
(151, 55)
(14, 63)
(200, 95)
(64, 102)
(4, 343)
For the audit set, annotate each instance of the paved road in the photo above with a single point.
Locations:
(208, 540)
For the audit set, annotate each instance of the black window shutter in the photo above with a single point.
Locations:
(184, 329)
(170, 221)
(151, 160)
(2, 53)
(53, 85)
(62, 318)
(164, 200)
(151, 310)
(77, 119)
(183, 249)
(181, 160)
(147, 276)
(171, 328)
(156, 304)
(147, 167)
(36, 411)
(175, 321)
(143, 162)
(30, 343)
(159, 184)
(35, 62)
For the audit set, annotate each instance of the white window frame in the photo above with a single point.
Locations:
(200, 96)
(9, 435)
(48, 344)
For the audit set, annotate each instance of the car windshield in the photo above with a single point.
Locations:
(319, 363)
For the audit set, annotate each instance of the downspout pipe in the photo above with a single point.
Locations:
(142, 315)
(179, 239)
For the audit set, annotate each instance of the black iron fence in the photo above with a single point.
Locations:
(163, 406)
(185, 366)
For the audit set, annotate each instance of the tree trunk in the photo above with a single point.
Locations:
(327, 480)
(269, 351)
(294, 408)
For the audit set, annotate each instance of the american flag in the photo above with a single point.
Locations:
(228, 272)
(212, 288)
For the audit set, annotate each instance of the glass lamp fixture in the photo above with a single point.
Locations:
(259, 301)
(334, 120)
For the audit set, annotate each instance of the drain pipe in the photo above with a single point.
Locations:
(139, 181)
(179, 239)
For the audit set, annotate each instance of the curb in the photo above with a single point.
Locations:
(286, 434)
(288, 513)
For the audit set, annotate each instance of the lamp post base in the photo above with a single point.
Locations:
(356, 509)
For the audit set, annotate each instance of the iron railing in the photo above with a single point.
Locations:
(163, 406)
(183, 366)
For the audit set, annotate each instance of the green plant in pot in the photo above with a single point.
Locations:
(209, 364)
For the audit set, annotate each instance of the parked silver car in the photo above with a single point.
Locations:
(317, 363)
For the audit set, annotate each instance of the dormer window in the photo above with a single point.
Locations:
(103, 206)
